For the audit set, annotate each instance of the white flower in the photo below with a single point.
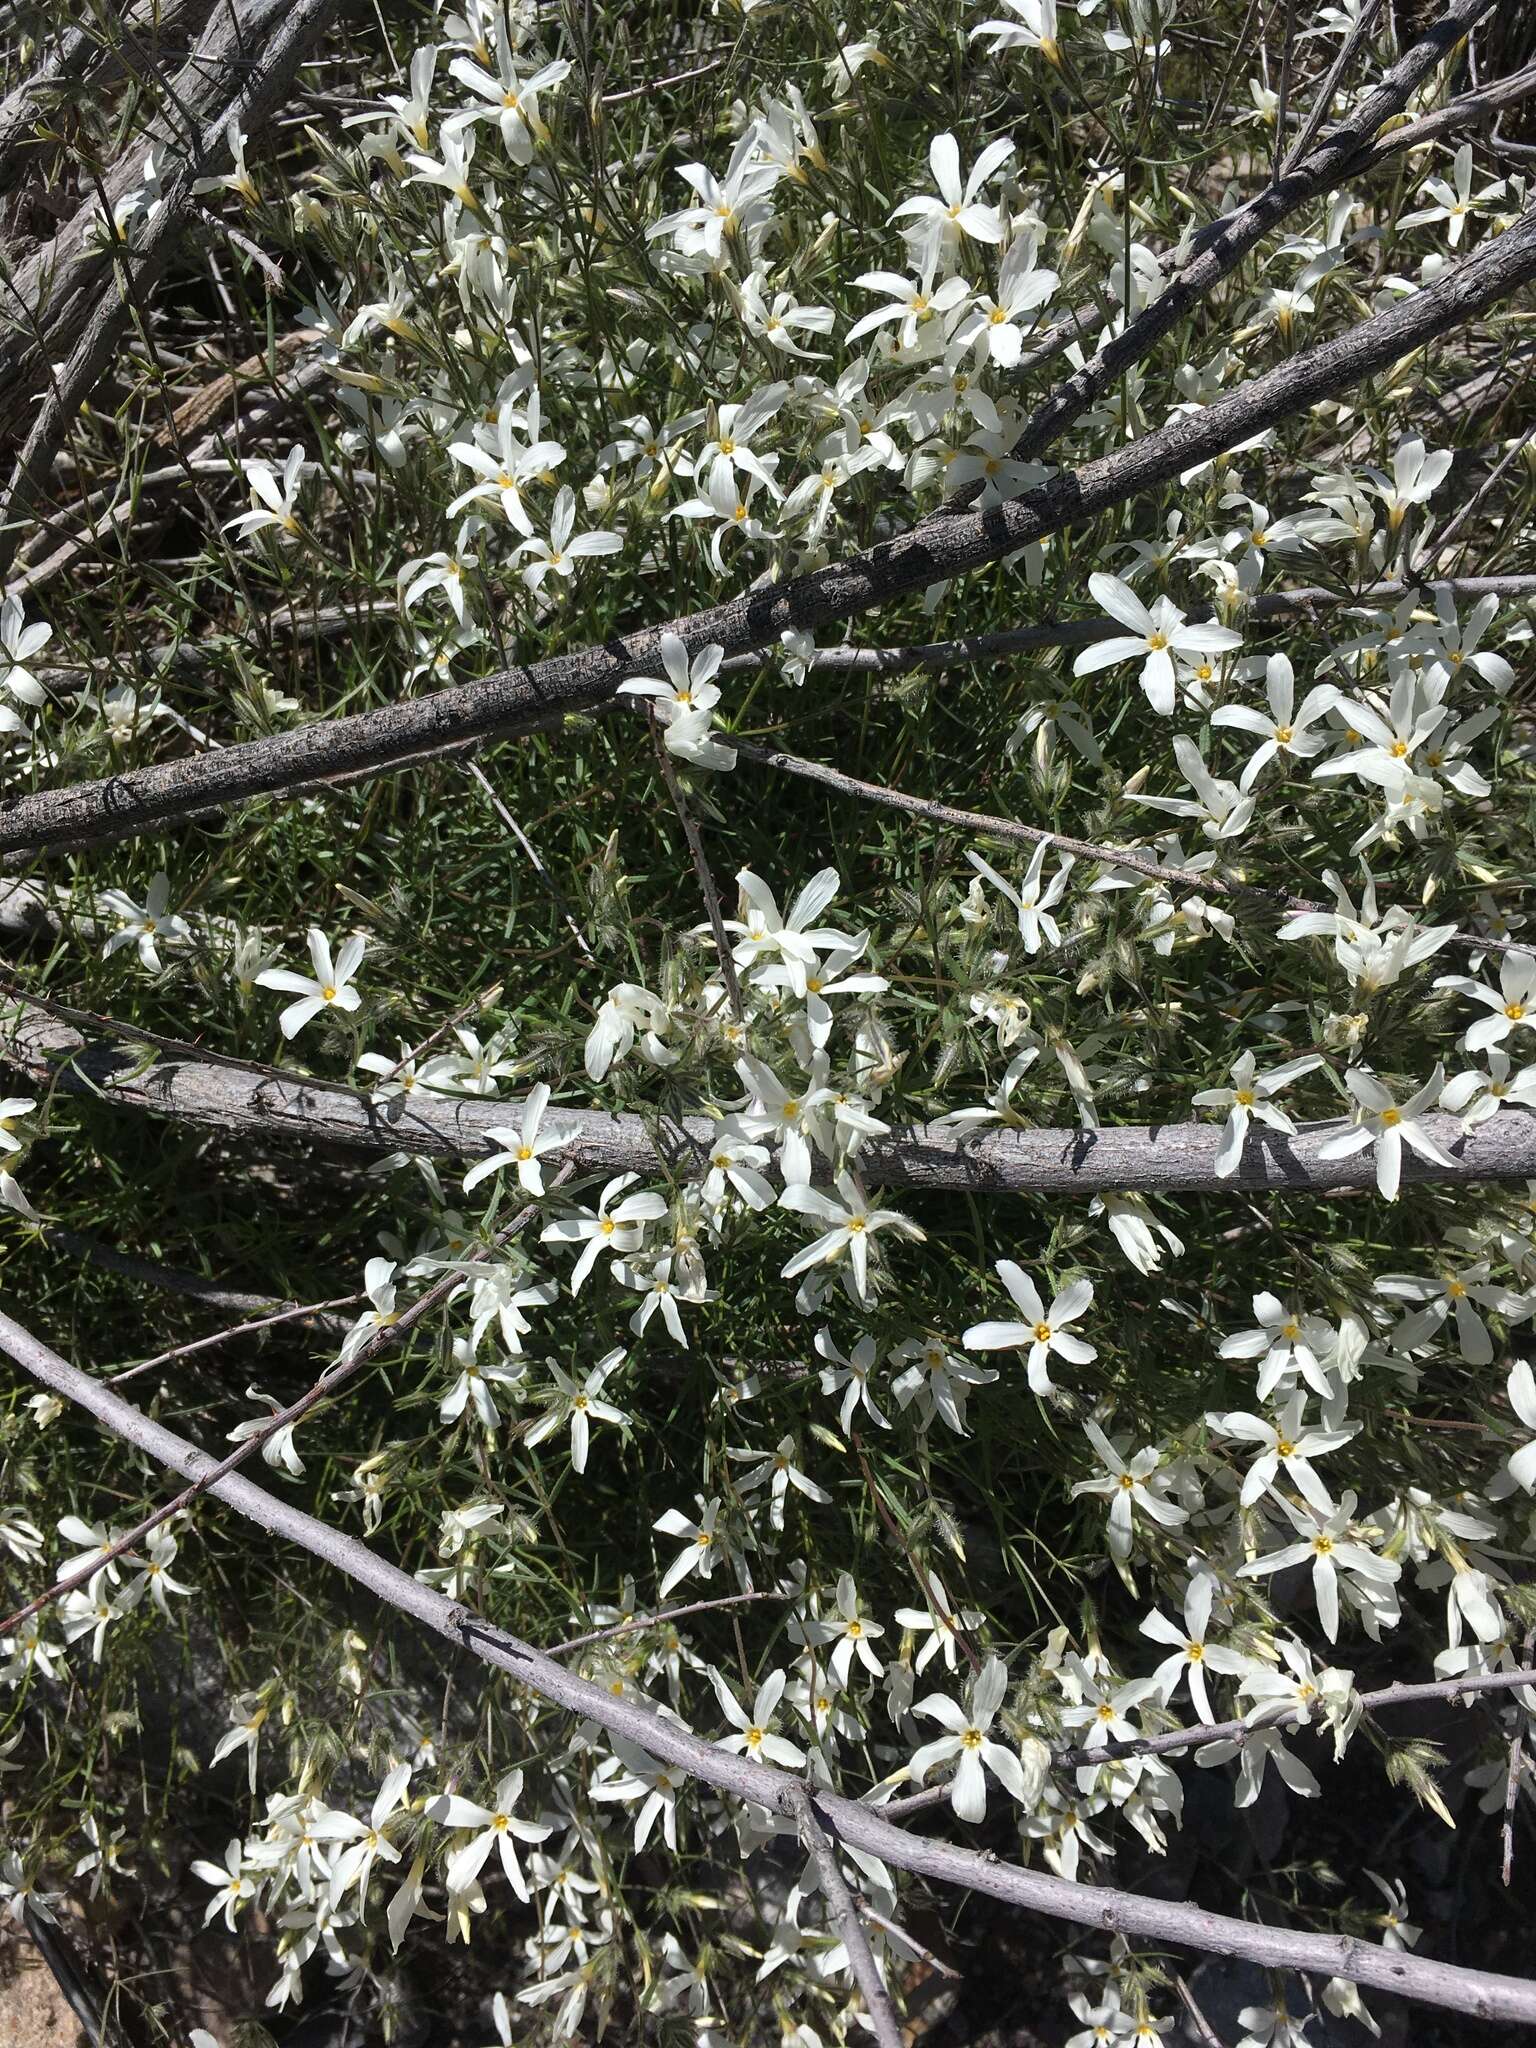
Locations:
(19, 642)
(1475, 1096)
(1253, 1751)
(970, 1747)
(145, 925)
(793, 939)
(579, 1404)
(1381, 1121)
(614, 1228)
(565, 548)
(754, 1737)
(700, 1548)
(957, 210)
(850, 1631)
(328, 988)
(279, 1450)
(1283, 1442)
(1454, 203)
(497, 1827)
(1040, 1333)
(1249, 1097)
(1327, 1544)
(1125, 1486)
(1221, 808)
(1510, 1006)
(1192, 1655)
(231, 1885)
(850, 1377)
(514, 103)
(1284, 730)
(1136, 1230)
(913, 301)
(524, 1147)
(272, 503)
(473, 1385)
(1034, 29)
(626, 1011)
(379, 1286)
(851, 1224)
(996, 326)
(939, 1623)
(1521, 1464)
(777, 1471)
(1153, 638)
(369, 1840)
(1416, 475)
(1032, 902)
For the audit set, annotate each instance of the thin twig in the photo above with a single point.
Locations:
(1197, 2018)
(700, 859)
(1129, 858)
(531, 850)
(286, 1315)
(644, 1621)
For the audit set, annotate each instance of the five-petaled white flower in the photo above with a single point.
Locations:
(754, 1737)
(145, 925)
(524, 1147)
(272, 502)
(329, 987)
(232, 1887)
(496, 1827)
(1192, 1655)
(1032, 902)
(970, 1746)
(1285, 1441)
(579, 1403)
(1249, 1097)
(1382, 1121)
(1330, 1548)
(957, 210)
(851, 1224)
(1152, 637)
(1125, 1485)
(1041, 1331)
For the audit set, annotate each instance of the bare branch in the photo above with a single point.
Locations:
(1481, 1993)
(1137, 1158)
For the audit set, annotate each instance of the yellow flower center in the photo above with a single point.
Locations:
(328, 992)
(1156, 642)
(1042, 1333)
(1244, 1097)
(1390, 1118)
(1284, 734)
(1514, 1012)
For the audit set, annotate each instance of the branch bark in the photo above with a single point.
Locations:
(939, 548)
(1482, 1993)
(239, 1099)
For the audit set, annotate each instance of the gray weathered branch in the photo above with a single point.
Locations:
(1162, 1158)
